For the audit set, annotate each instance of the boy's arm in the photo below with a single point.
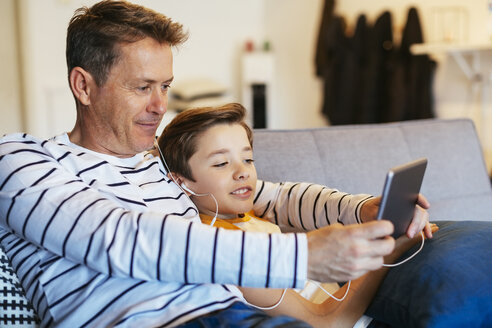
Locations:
(331, 313)
(306, 206)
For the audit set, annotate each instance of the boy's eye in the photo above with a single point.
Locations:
(249, 160)
(220, 164)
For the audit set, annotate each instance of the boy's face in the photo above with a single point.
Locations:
(223, 166)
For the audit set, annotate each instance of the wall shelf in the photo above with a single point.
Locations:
(468, 58)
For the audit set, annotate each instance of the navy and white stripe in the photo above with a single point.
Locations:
(305, 206)
(96, 241)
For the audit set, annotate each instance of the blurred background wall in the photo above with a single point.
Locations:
(35, 97)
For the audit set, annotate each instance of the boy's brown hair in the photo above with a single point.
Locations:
(179, 139)
(94, 34)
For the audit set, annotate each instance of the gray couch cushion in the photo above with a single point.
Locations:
(292, 156)
(355, 159)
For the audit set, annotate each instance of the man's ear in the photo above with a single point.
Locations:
(80, 83)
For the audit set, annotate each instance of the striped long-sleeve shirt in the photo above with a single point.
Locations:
(103, 241)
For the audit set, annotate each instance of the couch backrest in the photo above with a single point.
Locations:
(355, 159)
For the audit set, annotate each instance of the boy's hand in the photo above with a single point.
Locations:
(403, 243)
(369, 212)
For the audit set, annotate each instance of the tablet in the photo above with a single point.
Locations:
(400, 193)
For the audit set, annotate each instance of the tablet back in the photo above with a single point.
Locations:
(400, 192)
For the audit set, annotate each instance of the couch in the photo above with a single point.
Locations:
(355, 159)
(449, 283)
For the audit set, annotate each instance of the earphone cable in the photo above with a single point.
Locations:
(285, 290)
(156, 144)
(411, 256)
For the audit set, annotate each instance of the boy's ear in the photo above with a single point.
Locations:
(178, 179)
(175, 177)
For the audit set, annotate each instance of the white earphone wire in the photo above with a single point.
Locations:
(156, 144)
(285, 290)
(272, 306)
(411, 256)
(331, 295)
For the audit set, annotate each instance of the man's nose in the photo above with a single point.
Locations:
(158, 101)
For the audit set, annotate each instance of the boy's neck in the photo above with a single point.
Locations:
(220, 215)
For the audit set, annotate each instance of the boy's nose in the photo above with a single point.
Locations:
(242, 175)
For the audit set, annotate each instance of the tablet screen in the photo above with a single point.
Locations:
(400, 193)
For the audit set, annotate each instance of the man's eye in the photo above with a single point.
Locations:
(249, 160)
(143, 88)
(165, 87)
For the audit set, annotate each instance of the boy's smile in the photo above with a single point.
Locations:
(242, 193)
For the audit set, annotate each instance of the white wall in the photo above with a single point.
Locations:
(455, 95)
(10, 110)
(50, 108)
(292, 27)
(476, 9)
(218, 31)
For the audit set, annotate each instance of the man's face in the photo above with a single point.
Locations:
(223, 166)
(124, 113)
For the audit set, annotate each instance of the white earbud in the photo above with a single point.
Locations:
(184, 187)
(187, 189)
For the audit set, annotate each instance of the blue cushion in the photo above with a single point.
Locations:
(448, 284)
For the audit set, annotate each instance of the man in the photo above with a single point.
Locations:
(100, 237)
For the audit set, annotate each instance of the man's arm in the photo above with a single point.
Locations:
(48, 203)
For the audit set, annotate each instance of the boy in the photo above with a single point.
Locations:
(209, 152)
